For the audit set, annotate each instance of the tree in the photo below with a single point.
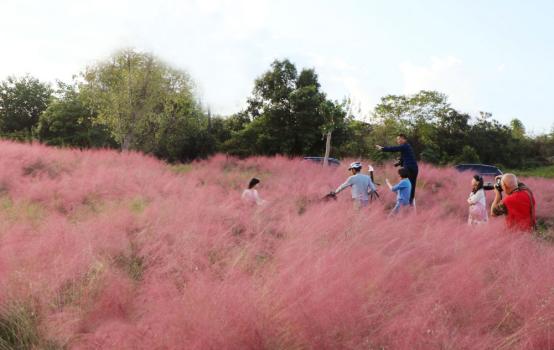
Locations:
(413, 114)
(67, 122)
(449, 137)
(469, 155)
(22, 100)
(334, 115)
(518, 130)
(285, 109)
(134, 94)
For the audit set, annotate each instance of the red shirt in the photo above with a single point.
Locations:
(519, 216)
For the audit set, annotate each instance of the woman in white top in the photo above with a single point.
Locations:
(250, 195)
(477, 202)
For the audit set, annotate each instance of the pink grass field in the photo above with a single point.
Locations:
(121, 251)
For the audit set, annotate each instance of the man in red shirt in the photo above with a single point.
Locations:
(518, 205)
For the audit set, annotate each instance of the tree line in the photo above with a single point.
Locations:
(135, 101)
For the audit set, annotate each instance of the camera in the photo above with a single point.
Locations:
(491, 186)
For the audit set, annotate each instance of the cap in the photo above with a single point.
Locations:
(355, 165)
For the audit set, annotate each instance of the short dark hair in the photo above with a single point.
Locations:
(402, 135)
(253, 182)
(403, 172)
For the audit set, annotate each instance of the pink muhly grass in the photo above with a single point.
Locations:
(115, 250)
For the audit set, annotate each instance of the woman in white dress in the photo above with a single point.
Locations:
(477, 202)
(250, 195)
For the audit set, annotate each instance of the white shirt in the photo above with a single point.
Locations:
(477, 207)
(477, 197)
(251, 196)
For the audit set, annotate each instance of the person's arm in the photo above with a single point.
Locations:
(473, 198)
(402, 184)
(259, 201)
(372, 187)
(348, 183)
(393, 148)
(388, 183)
(397, 187)
(497, 207)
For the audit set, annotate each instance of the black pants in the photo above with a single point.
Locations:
(412, 176)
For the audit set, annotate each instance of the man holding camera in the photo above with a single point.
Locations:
(518, 205)
(407, 160)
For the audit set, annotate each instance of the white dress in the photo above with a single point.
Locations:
(477, 208)
(252, 197)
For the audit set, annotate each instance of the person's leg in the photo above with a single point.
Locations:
(413, 179)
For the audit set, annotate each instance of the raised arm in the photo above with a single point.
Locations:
(393, 148)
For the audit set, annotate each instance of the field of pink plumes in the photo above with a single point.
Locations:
(121, 251)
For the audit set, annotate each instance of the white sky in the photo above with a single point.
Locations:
(495, 57)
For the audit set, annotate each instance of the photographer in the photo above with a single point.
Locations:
(518, 205)
(407, 160)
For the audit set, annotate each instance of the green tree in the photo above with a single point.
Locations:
(414, 115)
(133, 93)
(22, 100)
(148, 106)
(468, 155)
(518, 130)
(68, 122)
(286, 113)
(449, 137)
(335, 116)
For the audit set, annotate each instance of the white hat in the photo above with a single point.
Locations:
(355, 165)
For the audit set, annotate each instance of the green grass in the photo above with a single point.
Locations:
(19, 328)
(545, 171)
(180, 168)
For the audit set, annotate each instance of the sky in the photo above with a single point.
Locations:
(495, 56)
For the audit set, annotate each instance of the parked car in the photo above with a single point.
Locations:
(319, 160)
(488, 172)
(481, 169)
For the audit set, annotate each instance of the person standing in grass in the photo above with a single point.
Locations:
(477, 202)
(407, 160)
(361, 185)
(402, 189)
(251, 195)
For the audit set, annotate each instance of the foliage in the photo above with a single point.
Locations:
(19, 323)
(289, 113)
(545, 171)
(22, 100)
(137, 102)
(68, 122)
(147, 105)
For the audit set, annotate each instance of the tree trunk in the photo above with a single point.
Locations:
(127, 141)
(327, 149)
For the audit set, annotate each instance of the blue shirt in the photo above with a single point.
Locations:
(360, 184)
(403, 190)
(407, 157)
